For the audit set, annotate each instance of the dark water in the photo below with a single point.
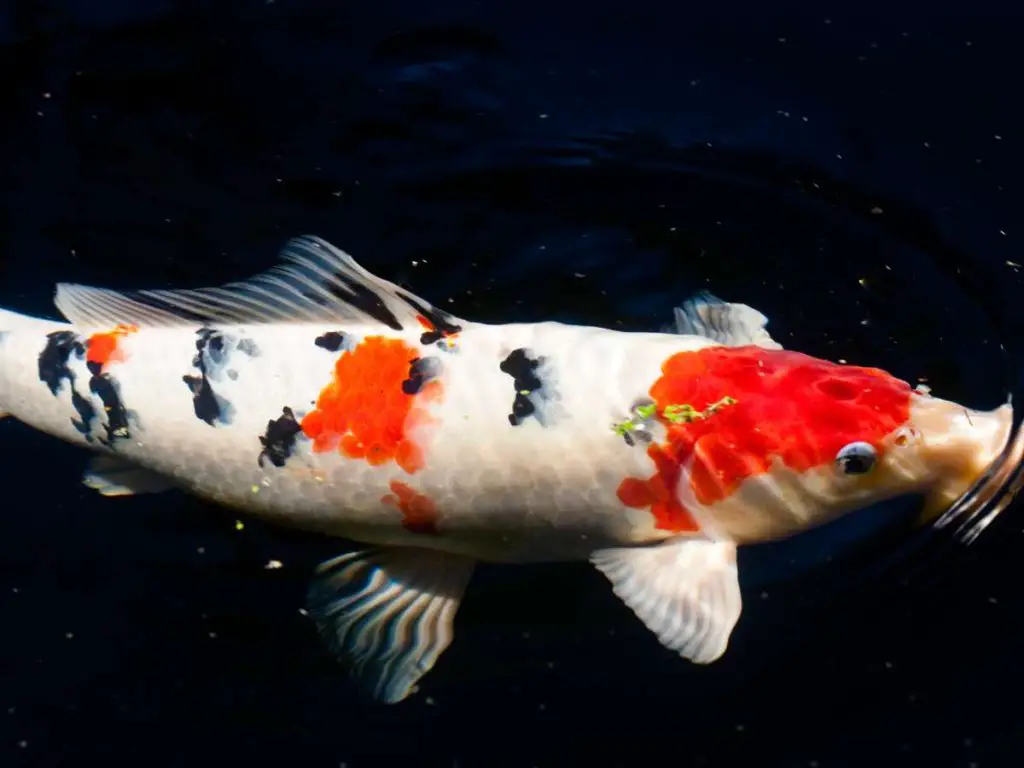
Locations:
(857, 180)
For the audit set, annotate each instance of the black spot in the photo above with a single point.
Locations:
(54, 370)
(279, 439)
(421, 370)
(331, 341)
(522, 368)
(213, 351)
(205, 403)
(53, 360)
(86, 413)
(117, 417)
(441, 321)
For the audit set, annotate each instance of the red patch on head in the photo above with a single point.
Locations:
(419, 514)
(363, 412)
(101, 348)
(789, 406)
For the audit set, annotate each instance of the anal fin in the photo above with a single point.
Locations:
(114, 476)
(387, 614)
(686, 591)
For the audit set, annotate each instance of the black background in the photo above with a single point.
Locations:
(562, 161)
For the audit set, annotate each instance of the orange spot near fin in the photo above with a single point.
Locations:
(659, 493)
(419, 514)
(364, 412)
(101, 348)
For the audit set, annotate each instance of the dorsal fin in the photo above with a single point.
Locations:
(731, 324)
(315, 282)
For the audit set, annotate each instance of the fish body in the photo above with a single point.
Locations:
(329, 399)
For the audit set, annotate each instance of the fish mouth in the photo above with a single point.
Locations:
(960, 447)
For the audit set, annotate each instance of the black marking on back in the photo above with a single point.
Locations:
(332, 341)
(54, 370)
(279, 439)
(213, 352)
(104, 387)
(523, 370)
(53, 360)
(421, 370)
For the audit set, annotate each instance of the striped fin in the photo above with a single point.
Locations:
(387, 614)
(315, 283)
(733, 325)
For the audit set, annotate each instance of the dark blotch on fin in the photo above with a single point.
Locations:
(441, 322)
(363, 299)
(279, 439)
(421, 370)
(522, 368)
(332, 341)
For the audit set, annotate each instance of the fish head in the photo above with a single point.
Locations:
(776, 442)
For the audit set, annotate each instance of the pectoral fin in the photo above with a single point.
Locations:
(686, 591)
(387, 614)
(112, 476)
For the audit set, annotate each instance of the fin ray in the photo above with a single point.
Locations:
(388, 613)
(730, 324)
(114, 476)
(314, 282)
(686, 591)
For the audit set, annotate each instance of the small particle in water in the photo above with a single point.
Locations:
(213, 635)
(255, 489)
(543, 115)
(303, 612)
(69, 635)
(862, 282)
(273, 565)
(201, 550)
(429, 701)
(239, 525)
(23, 744)
(877, 211)
(1012, 264)
(997, 137)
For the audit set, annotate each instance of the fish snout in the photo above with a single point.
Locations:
(956, 446)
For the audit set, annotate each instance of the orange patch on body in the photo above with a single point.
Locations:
(101, 348)
(790, 407)
(363, 412)
(419, 514)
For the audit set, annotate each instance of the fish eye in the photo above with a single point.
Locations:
(856, 458)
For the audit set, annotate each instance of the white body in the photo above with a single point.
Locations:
(514, 493)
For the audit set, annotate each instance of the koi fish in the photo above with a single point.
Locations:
(324, 397)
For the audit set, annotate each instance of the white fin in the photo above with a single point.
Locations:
(733, 325)
(315, 283)
(113, 476)
(686, 591)
(387, 614)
